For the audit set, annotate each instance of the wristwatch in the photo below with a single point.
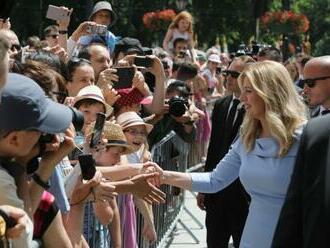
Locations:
(63, 31)
(40, 182)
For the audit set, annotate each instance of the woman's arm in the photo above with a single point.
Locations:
(167, 38)
(223, 175)
(116, 173)
(178, 179)
(146, 210)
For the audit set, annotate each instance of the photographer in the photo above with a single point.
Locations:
(179, 115)
(101, 17)
(25, 113)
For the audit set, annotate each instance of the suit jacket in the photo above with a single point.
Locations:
(219, 145)
(304, 220)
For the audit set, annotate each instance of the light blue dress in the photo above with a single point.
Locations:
(264, 175)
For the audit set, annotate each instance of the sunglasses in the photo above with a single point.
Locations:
(233, 74)
(310, 82)
(16, 47)
(54, 36)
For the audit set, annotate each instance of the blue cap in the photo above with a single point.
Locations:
(25, 106)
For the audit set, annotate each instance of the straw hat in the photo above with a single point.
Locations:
(93, 92)
(129, 119)
(115, 136)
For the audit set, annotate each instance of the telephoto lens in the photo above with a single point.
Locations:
(77, 119)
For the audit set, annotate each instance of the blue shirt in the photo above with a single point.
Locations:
(264, 175)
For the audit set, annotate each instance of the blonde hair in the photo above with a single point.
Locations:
(183, 15)
(284, 110)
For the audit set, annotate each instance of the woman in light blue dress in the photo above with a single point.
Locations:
(263, 155)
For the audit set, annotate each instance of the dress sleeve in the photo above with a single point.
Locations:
(223, 175)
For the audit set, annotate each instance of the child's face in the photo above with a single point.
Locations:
(90, 112)
(183, 25)
(136, 136)
(109, 156)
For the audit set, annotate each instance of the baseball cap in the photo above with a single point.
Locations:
(25, 106)
(129, 45)
(104, 5)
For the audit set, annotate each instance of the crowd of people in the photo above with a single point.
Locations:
(80, 114)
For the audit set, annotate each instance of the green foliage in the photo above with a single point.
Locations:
(213, 18)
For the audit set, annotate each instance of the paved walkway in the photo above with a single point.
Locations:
(180, 238)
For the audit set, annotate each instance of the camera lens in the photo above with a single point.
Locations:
(77, 119)
(177, 106)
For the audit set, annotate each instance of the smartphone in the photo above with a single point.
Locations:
(218, 70)
(98, 129)
(97, 29)
(125, 77)
(143, 61)
(56, 13)
(87, 166)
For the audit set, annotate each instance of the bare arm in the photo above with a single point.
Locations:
(167, 38)
(157, 105)
(178, 179)
(116, 173)
(115, 229)
(103, 212)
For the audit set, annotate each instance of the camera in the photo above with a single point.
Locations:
(178, 105)
(77, 121)
(241, 50)
(97, 29)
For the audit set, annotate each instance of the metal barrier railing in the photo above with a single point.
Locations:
(171, 153)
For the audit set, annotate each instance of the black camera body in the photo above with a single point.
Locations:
(178, 105)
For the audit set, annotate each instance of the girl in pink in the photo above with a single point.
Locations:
(181, 27)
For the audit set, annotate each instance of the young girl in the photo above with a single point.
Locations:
(136, 131)
(181, 27)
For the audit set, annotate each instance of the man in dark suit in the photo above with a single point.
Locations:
(226, 210)
(305, 216)
(317, 84)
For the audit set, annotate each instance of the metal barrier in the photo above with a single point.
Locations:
(171, 153)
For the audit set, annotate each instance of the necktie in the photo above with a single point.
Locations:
(324, 112)
(230, 118)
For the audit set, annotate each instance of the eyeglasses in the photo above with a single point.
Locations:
(16, 47)
(54, 36)
(233, 74)
(135, 132)
(310, 82)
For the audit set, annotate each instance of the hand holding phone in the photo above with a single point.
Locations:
(98, 129)
(57, 13)
(87, 166)
(125, 77)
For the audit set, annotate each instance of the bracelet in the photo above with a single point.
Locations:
(40, 182)
(63, 31)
